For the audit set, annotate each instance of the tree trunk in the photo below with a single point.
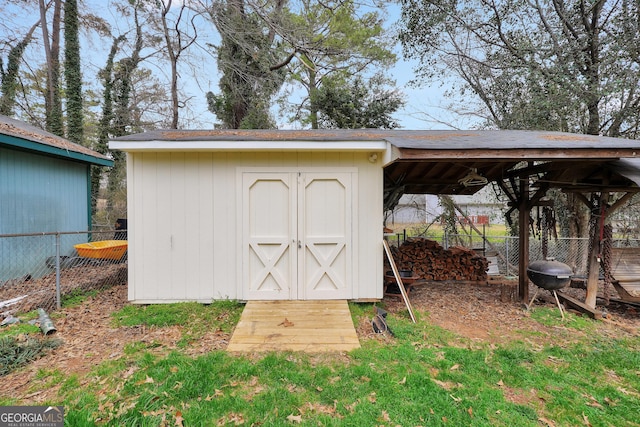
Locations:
(51, 43)
(173, 59)
(313, 109)
(73, 74)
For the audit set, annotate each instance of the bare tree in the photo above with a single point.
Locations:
(557, 65)
(177, 41)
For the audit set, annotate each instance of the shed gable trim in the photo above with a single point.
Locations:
(235, 146)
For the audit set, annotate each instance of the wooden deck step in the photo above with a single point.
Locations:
(309, 326)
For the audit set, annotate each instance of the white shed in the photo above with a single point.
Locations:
(253, 215)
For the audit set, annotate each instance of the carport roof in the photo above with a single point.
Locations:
(435, 162)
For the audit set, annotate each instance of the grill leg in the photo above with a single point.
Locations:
(559, 306)
(535, 294)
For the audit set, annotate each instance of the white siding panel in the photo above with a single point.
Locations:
(142, 220)
(223, 256)
(193, 237)
(135, 265)
(162, 226)
(146, 221)
(200, 282)
(180, 211)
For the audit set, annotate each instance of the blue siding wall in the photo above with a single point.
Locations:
(38, 194)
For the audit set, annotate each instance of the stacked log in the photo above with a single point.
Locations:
(430, 261)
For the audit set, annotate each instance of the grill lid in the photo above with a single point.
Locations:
(551, 268)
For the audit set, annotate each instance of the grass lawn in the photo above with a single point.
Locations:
(424, 376)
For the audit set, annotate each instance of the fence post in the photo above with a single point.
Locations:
(58, 302)
(506, 240)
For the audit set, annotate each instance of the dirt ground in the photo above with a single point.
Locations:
(476, 311)
(473, 311)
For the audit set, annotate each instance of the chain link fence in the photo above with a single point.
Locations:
(44, 270)
(571, 251)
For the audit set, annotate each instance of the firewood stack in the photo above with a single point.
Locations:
(430, 261)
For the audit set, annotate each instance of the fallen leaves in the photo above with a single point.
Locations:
(295, 418)
(231, 418)
(179, 419)
(316, 408)
(447, 385)
(547, 422)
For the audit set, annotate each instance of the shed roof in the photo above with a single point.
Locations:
(23, 136)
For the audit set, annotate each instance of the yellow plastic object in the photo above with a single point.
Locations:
(104, 249)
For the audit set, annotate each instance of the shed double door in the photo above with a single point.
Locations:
(297, 231)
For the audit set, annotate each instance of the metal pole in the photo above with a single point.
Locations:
(484, 239)
(58, 302)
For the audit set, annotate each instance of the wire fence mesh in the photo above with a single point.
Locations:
(571, 251)
(44, 270)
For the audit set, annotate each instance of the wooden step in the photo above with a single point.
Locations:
(309, 326)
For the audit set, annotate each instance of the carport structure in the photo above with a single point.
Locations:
(603, 172)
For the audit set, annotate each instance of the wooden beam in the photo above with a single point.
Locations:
(620, 202)
(508, 191)
(574, 303)
(583, 199)
(568, 187)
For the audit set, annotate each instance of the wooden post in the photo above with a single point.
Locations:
(594, 255)
(523, 241)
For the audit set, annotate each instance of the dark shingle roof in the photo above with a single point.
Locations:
(24, 136)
